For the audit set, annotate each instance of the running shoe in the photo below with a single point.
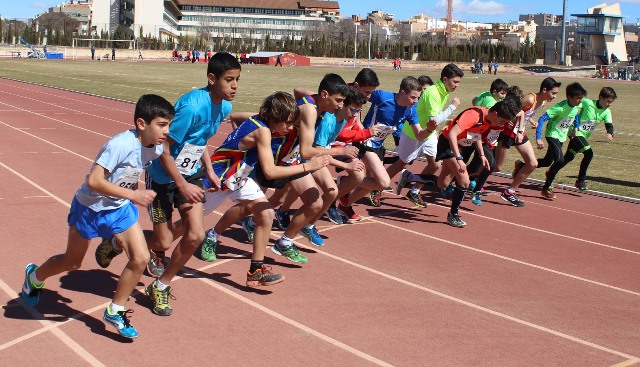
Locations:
(312, 235)
(454, 220)
(511, 198)
(517, 166)
(450, 188)
(416, 199)
(283, 218)
(388, 189)
(160, 298)
(375, 197)
(334, 215)
(263, 277)
(472, 185)
(30, 293)
(483, 193)
(350, 215)
(105, 252)
(209, 246)
(404, 179)
(156, 264)
(249, 228)
(547, 193)
(582, 185)
(290, 252)
(121, 323)
(475, 198)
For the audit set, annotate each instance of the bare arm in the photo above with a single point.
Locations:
(271, 171)
(97, 182)
(191, 193)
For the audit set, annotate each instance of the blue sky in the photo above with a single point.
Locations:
(478, 10)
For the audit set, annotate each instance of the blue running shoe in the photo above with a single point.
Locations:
(472, 185)
(121, 323)
(475, 198)
(334, 215)
(30, 293)
(313, 236)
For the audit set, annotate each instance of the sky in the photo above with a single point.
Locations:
(469, 10)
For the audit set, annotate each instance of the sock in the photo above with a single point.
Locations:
(35, 281)
(112, 309)
(255, 265)
(161, 286)
(285, 241)
(309, 226)
(511, 191)
(414, 190)
(114, 244)
(456, 200)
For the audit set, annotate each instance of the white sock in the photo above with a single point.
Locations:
(113, 308)
(285, 241)
(511, 191)
(415, 190)
(161, 286)
(35, 281)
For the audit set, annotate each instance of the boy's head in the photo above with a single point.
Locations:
(280, 111)
(499, 89)
(503, 112)
(425, 81)
(152, 117)
(331, 92)
(575, 93)
(606, 97)
(366, 81)
(410, 90)
(549, 89)
(451, 75)
(223, 73)
(514, 90)
(353, 102)
(514, 101)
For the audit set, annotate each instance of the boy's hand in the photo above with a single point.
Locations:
(350, 151)
(432, 124)
(192, 193)
(143, 197)
(609, 137)
(540, 144)
(533, 123)
(456, 102)
(355, 166)
(318, 162)
(374, 129)
(214, 180)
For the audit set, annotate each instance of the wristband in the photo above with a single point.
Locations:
(459, 158)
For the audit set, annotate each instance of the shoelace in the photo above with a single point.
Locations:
(123, 316)
(166, 295)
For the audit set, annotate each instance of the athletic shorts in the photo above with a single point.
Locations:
(444, 149)
(169, 197)
(507, 142)
(410, 149)
(249, 191)
(578, 144)
(105, 223)
(277, 183)
(378, 151)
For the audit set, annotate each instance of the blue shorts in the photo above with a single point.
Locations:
(104, 223)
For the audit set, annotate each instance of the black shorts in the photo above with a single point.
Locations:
(277, 183)
(379, 152)
(507, 142)
(445, 152)
(169, 197)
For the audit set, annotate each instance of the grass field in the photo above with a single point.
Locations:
(614, 167)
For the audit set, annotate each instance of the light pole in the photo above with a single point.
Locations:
(355, 46)
(564, 30)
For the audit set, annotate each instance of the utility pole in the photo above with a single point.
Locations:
(355, 46)
(564, 31)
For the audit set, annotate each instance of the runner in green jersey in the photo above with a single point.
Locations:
(593, 113)
(558, 119)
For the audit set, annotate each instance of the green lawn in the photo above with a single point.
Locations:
(612, 170)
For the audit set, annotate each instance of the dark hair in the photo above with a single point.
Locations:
(513, 101)
(354, 96)
(279, 107)
(221, 62)
(575, 89)
(505, 109)
(410, 83)
(514, 90)
(549, 83)
(498, 85)
(425, 80)
(150, 106)
(608, 92)
(367, 78)
(451, 71)
(333, 84)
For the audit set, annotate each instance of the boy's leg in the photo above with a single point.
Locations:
(555, 156)
(193, 219)
(325, 181)
(376, 179)
(530, 164)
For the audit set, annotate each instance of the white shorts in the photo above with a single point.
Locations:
(410, 149)
(249, 191)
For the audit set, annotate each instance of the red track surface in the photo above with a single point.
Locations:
(551, 284)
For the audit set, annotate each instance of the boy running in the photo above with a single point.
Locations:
(105, 206)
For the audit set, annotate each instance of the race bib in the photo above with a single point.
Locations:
(238, 179)
(383, 132)
(471, 137)
(588, 125)
(129, 178)
(188, 159)
(492, 136)
(565, 124)
(292, 158)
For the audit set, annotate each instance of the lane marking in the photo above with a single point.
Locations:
(627, 363)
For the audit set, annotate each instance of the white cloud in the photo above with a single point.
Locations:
(39, 5)
(477, 7)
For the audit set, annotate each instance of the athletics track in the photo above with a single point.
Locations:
(551, 284)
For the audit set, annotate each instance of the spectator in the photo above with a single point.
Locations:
(113, 53)
(93, 52)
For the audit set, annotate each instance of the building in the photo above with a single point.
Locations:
(541, 19)
(603, 25)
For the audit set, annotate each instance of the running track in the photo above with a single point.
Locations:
(551, 284)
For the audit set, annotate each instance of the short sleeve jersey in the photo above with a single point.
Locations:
(431, 103)
(387, 112)
(125, 158)
(328, 129)
(591, 116)
(561, 117)
(473, 125)
(485, 99)
(196, 120)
